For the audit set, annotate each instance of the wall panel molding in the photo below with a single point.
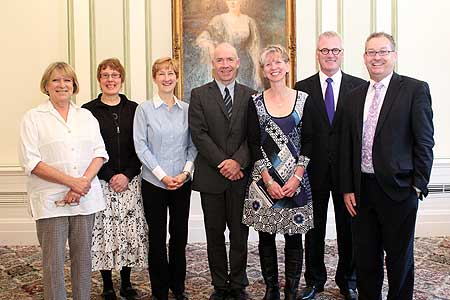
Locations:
(92, 50)
(126, 45)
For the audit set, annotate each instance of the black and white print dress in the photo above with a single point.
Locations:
(120, 235)
(277, 148)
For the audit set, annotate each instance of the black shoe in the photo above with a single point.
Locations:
(218, 294)
(310, 292)
(109, 294)
(128, 292)
(238, 294)
(350, 294)
(181, 296)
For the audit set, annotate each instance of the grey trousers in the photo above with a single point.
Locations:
(53, 234)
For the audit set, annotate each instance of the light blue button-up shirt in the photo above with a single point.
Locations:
(162, 139)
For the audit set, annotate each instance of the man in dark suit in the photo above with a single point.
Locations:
(387, 154)
(322, 116)
(218, 123)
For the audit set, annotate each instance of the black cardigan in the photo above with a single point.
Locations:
(118, 138)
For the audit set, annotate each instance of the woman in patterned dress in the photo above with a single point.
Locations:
(278, 198)
(119, 238)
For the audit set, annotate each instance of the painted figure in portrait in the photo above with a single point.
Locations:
(248, 25)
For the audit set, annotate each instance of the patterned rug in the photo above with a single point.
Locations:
(21, 276)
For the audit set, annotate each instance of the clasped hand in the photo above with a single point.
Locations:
(175, 182)
(288, 190)
(230, 169)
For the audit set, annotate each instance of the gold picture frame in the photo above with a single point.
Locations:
(194, 23)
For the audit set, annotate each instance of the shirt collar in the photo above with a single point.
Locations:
(222, 87)
(337, 77)
(48, 106)
(385, 81)
(158, 102)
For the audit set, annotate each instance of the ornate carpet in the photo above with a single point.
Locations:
(21, 276)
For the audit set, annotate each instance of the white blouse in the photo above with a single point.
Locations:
(67, 146)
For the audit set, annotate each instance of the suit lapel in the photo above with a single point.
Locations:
(344, 88)
(320, 102)
(238, 101)
(215, 93)
(389, 99)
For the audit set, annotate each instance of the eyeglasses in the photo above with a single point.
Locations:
(325, 51)
(112, 75)
(62, 203)
(373, 53)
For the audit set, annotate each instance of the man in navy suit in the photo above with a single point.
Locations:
(324, 120)
(386, 155)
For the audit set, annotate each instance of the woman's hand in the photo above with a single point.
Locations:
(291, 186)
(80, 185)
(119, 183)
(275, 191)
(181, 178)
(170, 182)
(72, 198)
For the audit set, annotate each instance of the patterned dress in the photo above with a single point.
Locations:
(277, 149)
(120, 236)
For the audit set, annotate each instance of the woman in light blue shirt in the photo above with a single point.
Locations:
(163, 143)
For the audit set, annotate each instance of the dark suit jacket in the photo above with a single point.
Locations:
(216, 136)
(402, 152)
(325, 136)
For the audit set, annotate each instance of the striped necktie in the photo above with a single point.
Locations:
(228, 102)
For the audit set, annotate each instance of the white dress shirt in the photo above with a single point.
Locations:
(68, 146)
(336, 84)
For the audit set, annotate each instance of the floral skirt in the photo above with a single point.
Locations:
(120, 234)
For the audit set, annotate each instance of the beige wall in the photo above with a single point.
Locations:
(84, 32)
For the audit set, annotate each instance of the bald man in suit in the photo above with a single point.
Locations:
(218, 123)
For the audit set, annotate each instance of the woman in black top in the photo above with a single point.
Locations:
(120, 231)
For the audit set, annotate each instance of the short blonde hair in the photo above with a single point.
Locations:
(273, 49)
(114, 64)
(165, 62)
(64, 68)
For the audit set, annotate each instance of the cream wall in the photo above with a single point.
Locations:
(83, 32)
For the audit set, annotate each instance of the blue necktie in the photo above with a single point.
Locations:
(329, 100)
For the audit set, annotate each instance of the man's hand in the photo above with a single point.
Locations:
(350, 203)
(119, 183)
(230, 169)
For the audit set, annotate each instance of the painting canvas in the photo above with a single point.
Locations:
(249, 25)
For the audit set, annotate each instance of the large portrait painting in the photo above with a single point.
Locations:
(249, 25)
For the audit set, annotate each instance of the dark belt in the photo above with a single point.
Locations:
(368, 175)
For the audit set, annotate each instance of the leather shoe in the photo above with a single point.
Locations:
(128, 292)
(218, 295)
(350, 294)
(310, 292)
(238, 294)
(181, 296)
(109, 294)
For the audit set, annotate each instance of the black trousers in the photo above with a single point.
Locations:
(167, 272)
(382, 224)
(220, 211)
(315, 270)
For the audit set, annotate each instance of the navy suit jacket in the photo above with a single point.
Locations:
(325, 137)
(402, 152)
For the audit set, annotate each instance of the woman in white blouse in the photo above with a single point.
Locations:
(163, 143)
(61, 150)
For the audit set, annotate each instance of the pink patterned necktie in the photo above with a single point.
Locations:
(369, 129)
